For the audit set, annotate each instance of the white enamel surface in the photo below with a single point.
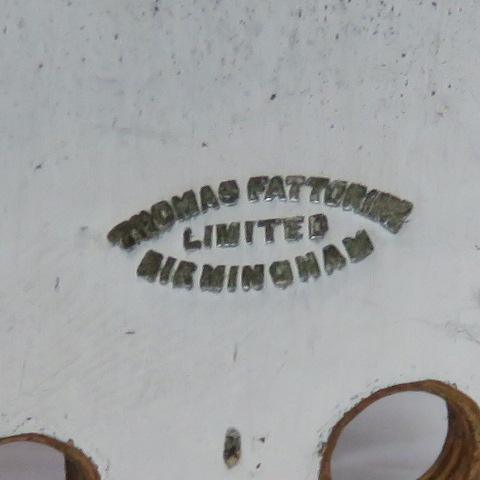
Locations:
(118, 124)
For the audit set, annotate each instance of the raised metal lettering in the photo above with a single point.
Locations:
(368, 202)
(334, 193)
(143, 227)
(249, 231)
(228, 235)
(295, 182)
(389, 211)
(229, 192)
(317, 226)
(307, 266)
(121, 235)
(255, 186)
(183, 276)
(188, 243)
(166, 271)
(207, 236)
(269, 225)
(292, 227)
(358, 247)
(253, 277)
(281, 273)
(208, 199)
(185, 207)
(150, 266)
(318, 185)
(275, 189)
(354, 197)
(212, 279)
(232, 278)
(333, 259)
(163, 216)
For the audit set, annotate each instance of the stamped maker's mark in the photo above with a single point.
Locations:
(382, 208)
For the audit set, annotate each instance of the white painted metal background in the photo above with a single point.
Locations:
(105, 106)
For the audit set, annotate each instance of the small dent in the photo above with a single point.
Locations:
(232, 447)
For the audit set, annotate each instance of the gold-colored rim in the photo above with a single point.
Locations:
(460, 455)
(77, 465)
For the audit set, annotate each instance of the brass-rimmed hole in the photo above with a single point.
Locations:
(77, 465)
(460, 455)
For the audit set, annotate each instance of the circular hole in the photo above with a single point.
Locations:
(459, 459)
(77, 466)
(28, 460)
(397, 437)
